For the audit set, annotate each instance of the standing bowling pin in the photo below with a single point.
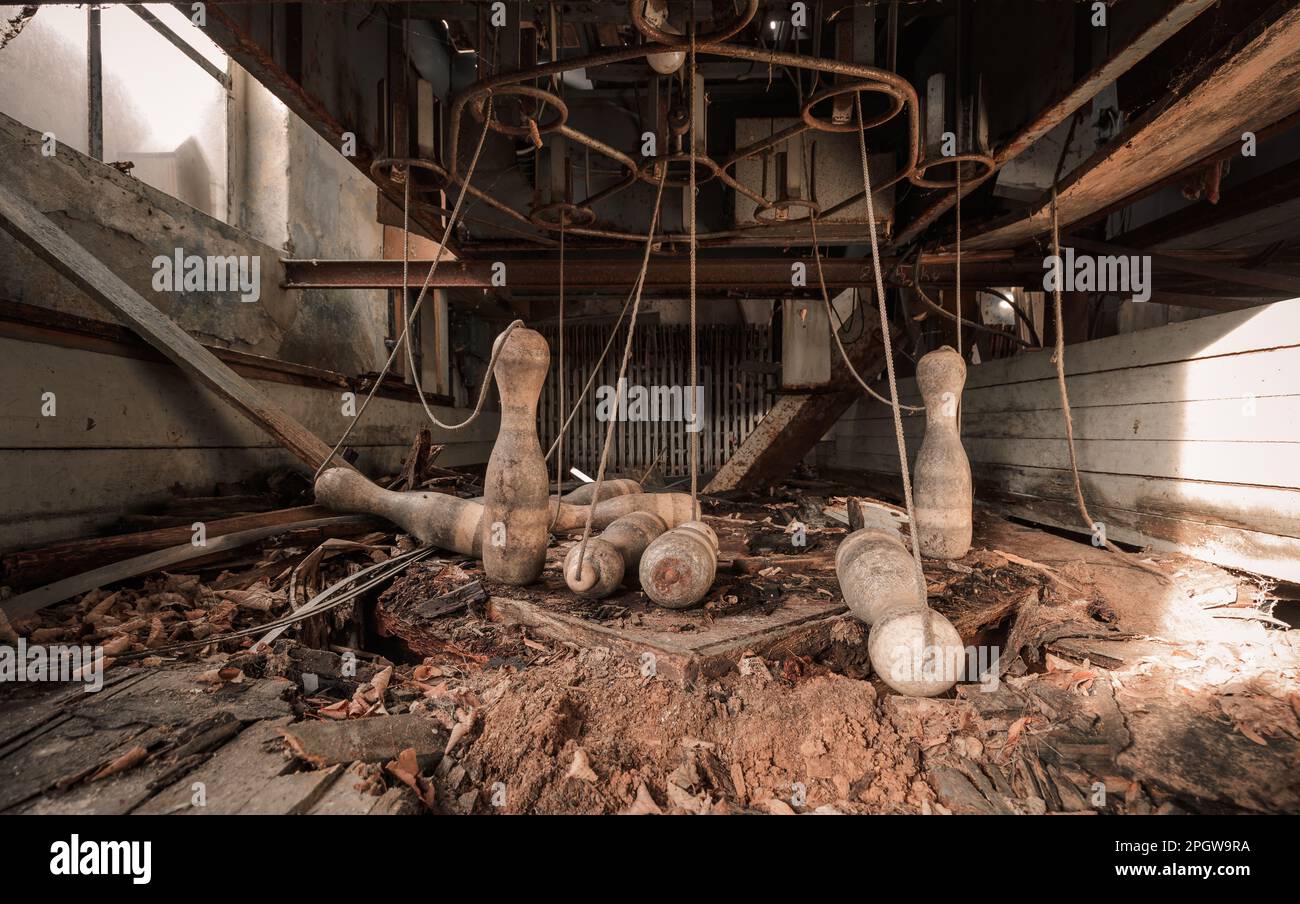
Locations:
(515, 524)
(942, 481)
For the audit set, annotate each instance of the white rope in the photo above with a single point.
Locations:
(415, 310)
(884, 335)
(622, 369)
(693, 434)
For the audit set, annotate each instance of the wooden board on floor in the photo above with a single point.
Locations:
(686, 645)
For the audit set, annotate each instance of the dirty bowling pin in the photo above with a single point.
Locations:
(516, 515)
(942, 474)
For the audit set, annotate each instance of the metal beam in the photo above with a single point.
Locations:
(1247, 86)
(1165, 26)
(770, 274)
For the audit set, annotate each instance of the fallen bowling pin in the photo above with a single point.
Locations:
(877, 574)
(914, 650)
(917, 652)
(942, 478)
(675, 508)
(437, 519)
(612, 556)
(678, 568)
(586, 494)
(516, 497)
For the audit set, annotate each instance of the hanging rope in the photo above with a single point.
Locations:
(694, 434)
(835, 334)
(595, 371)
(622, 368)
(404, 337)
(563, 376)
(1058, 359)
(957, 165)
(884, 335)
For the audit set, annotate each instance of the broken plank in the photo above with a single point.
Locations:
(186, 553)
(371, 740)
(35, 566)
(293, 794)
(35, 231)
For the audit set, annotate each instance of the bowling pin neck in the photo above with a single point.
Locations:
(520, 372)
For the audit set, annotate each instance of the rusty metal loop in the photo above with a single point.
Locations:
(557, 121)
(897, 101)
(705, 166)
(769, 216)
(562, 212)
(382, 169)
(960, 160)
(652, 32)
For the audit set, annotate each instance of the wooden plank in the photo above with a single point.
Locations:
(1164, 26)
(793, 426)
(230, 780)
(185, 553)
(1274, 420)
(713, 647)
(1270, 326)
(31, 228)
(23, 569)
(1245, 87)
(371, 740)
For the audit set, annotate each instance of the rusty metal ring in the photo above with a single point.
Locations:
(578, 215)
(654, 33)
(917, 176)
(814, 210)
(382, 168)
(865, 86)
(711, 169)
(546, 97)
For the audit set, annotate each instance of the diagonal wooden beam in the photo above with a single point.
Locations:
(1136, 50)
(54, 246)
(792, 426)
(1247, 86)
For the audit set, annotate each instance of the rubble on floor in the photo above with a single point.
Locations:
(1112, 691)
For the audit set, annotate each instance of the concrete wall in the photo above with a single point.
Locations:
(129, 434)
(1186, 437)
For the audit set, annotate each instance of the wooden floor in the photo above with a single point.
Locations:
(1156, 696)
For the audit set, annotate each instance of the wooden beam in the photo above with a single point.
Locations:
(1279, 282)
(35, 231)
(1155, 34)
(793, 426)
(1247, 86)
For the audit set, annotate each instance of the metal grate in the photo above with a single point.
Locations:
(734, 369)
